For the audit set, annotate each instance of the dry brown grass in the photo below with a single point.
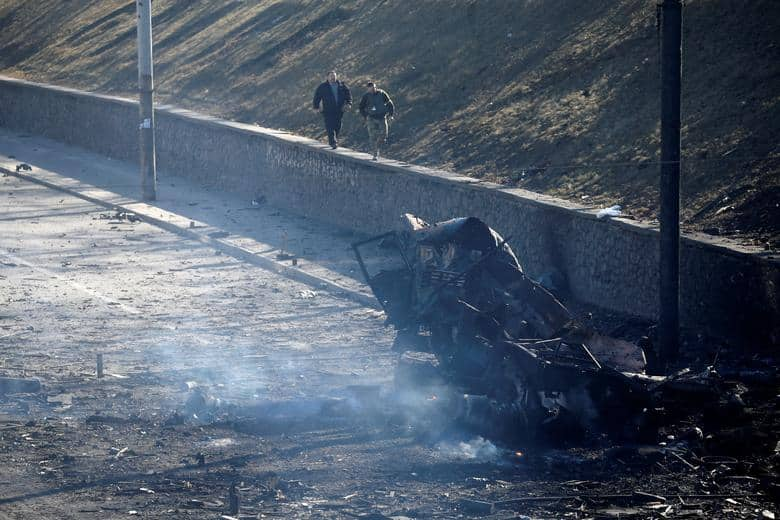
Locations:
(556, 95)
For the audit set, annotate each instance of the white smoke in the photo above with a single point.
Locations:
(477, 449)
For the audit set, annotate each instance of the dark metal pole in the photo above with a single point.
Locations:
(146, 111)
(671, 76)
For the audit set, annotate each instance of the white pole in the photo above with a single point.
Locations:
(146, 91)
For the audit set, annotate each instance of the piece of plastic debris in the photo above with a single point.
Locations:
(612, 211)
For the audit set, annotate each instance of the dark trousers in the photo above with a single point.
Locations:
(333, 126)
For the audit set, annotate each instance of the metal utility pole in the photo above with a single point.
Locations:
(146, 90)
(671, 76)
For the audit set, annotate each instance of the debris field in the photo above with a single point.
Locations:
(227, 391)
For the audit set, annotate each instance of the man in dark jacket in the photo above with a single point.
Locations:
(376, 107)
(335, 98)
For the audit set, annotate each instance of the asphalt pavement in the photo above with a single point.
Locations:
(191, 278)
(238, 225)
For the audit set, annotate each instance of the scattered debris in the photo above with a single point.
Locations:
(612, 211)
(120, 216)
(201, 405)
(124, 452)
(15, 385)
(105, 419)
(23, 167)
(221, 443)
(476, 507)
(356, 459)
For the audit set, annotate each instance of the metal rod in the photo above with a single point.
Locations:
(146, 105)
(671, 79)
(591, 356)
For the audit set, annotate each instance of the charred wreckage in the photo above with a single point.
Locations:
(517, 363)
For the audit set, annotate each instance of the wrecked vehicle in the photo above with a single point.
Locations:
(516, 357)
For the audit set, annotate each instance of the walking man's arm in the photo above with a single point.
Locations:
(389, 104)
(347, 97)
(317, 99)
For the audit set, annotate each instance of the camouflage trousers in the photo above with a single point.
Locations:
(377, 132)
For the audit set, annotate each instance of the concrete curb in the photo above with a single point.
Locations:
(141, 209)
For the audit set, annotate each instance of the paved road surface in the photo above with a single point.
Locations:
(76, 279)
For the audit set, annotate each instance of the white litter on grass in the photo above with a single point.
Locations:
(477, 449)
(307, 294)
(612, 211)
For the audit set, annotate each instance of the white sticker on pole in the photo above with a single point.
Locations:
(146, 123)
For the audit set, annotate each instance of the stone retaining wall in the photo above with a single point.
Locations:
(727, 291)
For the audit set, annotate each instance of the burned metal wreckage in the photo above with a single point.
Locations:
(517, 363)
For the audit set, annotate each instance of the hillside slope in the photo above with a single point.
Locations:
(559, 96)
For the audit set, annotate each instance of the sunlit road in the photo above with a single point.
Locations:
(76, 280)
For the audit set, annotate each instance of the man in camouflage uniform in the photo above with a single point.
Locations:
(376, 107)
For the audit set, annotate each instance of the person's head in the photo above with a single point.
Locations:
(332, 76)
(371, 86)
